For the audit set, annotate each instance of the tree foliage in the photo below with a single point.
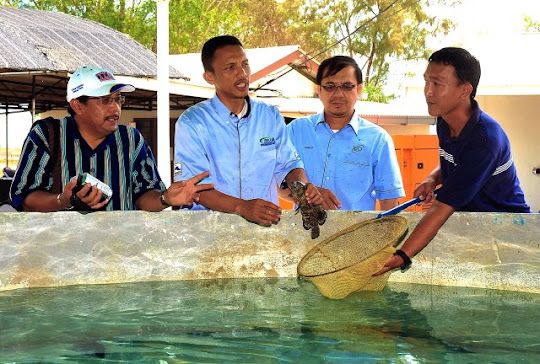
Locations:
(375, 32)
(531, 25)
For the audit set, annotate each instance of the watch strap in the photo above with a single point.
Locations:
(406, 260)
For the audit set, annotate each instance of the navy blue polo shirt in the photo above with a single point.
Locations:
(478, 170)
(123, 161)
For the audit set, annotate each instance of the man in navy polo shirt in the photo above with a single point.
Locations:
(91, 141)
(476, 168)
(241, 141)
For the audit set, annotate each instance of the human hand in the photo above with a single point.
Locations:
(330, 200)
(260, 211)
(395, 261)
(64, 198)
(89, 196)
(186, 192)
(425, 191)
(313, 195)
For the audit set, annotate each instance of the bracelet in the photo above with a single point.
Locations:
(162, 199)
(406, 260)
(60, 203)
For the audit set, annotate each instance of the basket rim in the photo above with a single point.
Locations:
(394, 242)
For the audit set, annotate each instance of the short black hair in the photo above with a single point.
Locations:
(466, 66)
(333, 65)
(212, 45)
(82, 99)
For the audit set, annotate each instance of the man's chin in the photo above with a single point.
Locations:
(432, 110)
(339, 112)
(112, 125)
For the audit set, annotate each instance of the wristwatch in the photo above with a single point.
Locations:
(406, 260)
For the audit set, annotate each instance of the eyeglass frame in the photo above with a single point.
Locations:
(346, 87)
(120, 99)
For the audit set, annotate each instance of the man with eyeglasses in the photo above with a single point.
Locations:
(90, 141)
(351, 160)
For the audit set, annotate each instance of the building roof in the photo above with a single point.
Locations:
(376, 112)
(32, 40)
(262, 61)
(40, 49)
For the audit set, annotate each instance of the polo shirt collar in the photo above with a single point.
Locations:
(224, 112)
(354, 123)
(471, 124)
(72, 130)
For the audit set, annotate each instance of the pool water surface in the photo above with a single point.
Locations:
(266, 321)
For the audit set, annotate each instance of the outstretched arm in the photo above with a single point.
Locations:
(422, 234)
(180, 193)
(257, 210)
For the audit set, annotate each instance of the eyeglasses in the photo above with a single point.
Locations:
(107, 100)
(330, 87)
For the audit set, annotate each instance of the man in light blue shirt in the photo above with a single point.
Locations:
(242, 142)
(351, 160)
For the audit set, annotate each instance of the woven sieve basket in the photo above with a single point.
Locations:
(344, 262)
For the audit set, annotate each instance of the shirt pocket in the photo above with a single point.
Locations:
(356, 168)
(356, 158)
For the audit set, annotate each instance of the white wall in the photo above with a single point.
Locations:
(293, 84)
(18, 127)
(519, 116)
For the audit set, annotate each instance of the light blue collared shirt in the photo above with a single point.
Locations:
(358, 163)
(247, 158)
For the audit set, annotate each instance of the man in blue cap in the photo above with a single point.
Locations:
(90, 142)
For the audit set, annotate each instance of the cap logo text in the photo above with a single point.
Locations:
(78, 88)
(104, 76)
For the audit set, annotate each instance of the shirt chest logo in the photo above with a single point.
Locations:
(265, 141)
(177, 169)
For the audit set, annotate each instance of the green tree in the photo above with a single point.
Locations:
(375, 32)
(192, 22)
(531, 25)
(379, 31)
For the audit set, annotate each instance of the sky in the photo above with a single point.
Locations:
(477, 22)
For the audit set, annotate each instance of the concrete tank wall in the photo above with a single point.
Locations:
(487, 250)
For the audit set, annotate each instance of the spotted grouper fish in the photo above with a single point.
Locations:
(313, 215)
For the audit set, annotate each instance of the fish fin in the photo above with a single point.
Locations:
(315, 232)
(321, 217)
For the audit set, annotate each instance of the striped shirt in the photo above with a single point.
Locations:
(123, 161)
(477, 167)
